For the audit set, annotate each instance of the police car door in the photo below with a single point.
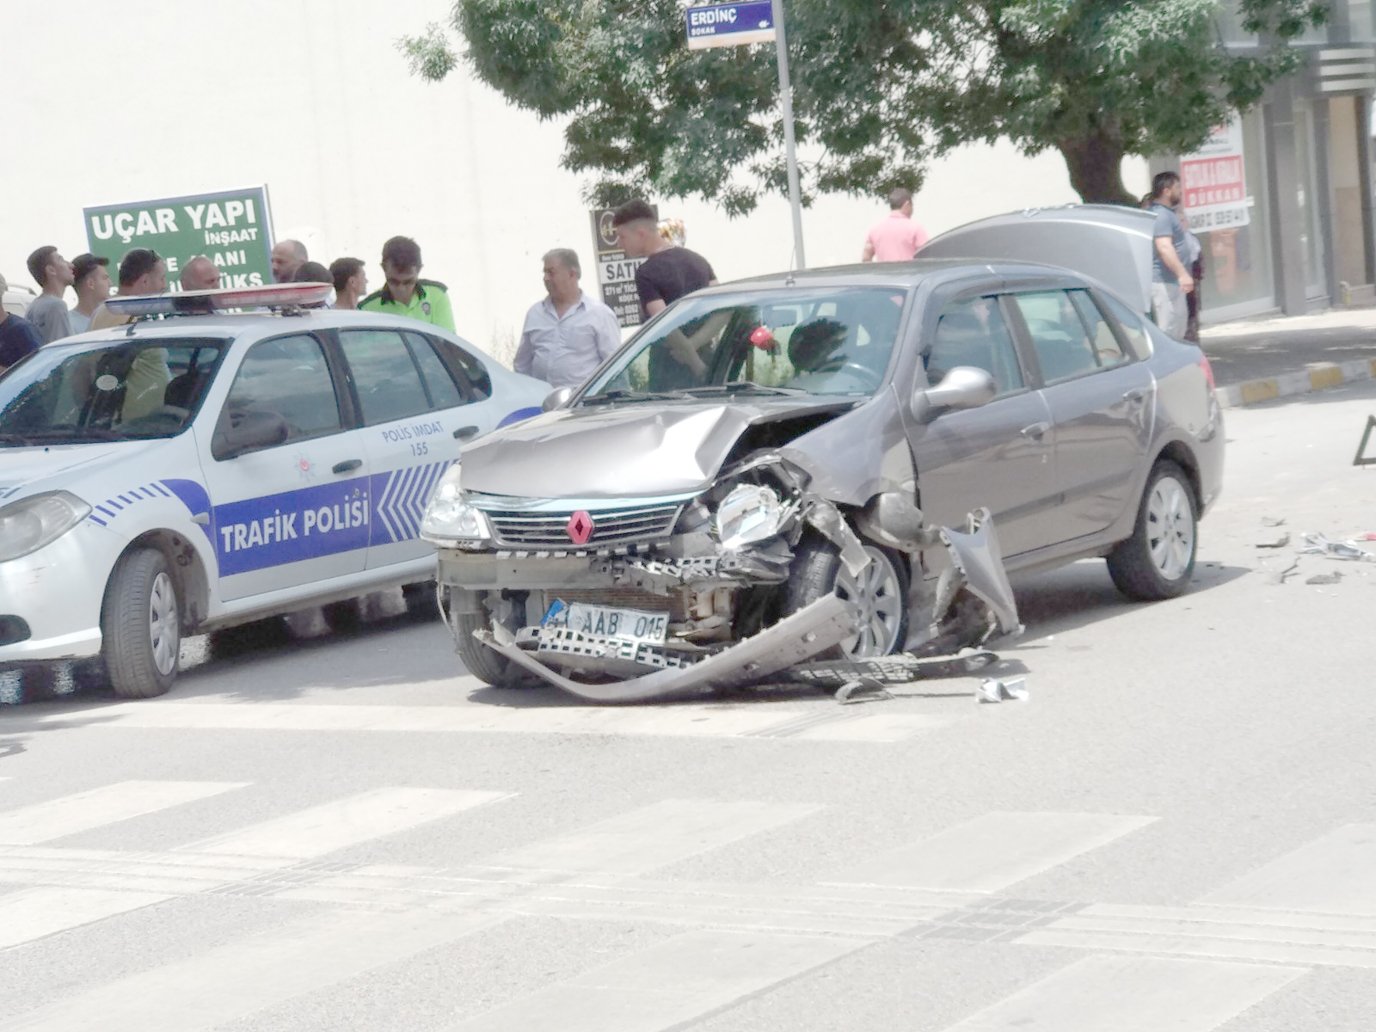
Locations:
(421, 398)
(288, 479)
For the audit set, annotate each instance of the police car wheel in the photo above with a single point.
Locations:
(141, 626)
(343, 617)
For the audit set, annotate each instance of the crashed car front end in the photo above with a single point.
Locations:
(632, 599)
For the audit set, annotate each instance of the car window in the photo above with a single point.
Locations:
(819, 340)
(974, 333)
(286, 379)
(1107, 349)
(125, 389)
(1059, 337)
(388, 382)
(439, 383)
(1130, 323)
(469, 368)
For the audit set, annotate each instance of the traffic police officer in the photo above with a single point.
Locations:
(406, 293)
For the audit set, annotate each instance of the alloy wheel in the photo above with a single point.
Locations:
(1170, 528)
(877, 594)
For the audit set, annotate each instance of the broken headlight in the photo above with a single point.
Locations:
(750, 513)
(449, 519)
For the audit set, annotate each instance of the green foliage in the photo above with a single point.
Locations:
(880, 86)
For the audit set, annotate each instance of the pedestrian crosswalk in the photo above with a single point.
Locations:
(345, 917)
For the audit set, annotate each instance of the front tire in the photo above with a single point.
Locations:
(880, 593)
(140, 622)
(1158, 560)
(484, 663)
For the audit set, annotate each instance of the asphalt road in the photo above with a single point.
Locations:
(1177, 830)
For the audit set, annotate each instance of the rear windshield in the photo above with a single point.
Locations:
(120, 390)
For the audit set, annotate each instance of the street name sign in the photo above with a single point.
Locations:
(729, 25)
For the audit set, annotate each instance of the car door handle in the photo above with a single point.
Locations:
(1134, 396)
(1036, 431)
(463, 433)
(347, 466)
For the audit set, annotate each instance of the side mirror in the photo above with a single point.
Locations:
(557, 399)
(963, 387)
(247, 430)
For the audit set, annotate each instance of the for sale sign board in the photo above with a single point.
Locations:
(1215, 183)
(615, 271)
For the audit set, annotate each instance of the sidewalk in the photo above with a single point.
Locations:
(1260, 359)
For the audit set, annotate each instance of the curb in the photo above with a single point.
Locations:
(1316, 377)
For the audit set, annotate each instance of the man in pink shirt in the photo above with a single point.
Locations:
(896, 238)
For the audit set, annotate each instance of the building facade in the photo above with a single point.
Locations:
(1304, 236)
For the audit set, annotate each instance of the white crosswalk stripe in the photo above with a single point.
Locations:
(35, 913)
(109, 804)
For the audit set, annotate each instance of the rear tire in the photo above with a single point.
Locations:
(140, 622)
(881, 592)
(344, 617)
(1158, 560)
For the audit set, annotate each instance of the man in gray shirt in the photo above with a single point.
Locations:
(567, 335)
(48, 312)
(1170, 278)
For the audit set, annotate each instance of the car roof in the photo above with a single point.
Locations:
(249, 325)
(895, 274)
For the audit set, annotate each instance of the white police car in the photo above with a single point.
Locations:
(188, 474)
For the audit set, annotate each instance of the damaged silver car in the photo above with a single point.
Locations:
(812, 466)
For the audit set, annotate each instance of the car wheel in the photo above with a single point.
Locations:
(141, 626)
(482, 662)
(420, 600)
(880, 594)
(1158, 560)
(344, 617)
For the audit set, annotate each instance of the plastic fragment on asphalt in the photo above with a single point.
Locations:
(1279, 542)
(1273, 521)
(1319, 544)
(1280, 575)
(862, 689)
(993, 690)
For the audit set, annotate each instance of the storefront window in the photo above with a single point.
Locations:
(1238, 276)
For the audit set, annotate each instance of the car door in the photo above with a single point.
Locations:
(1101, 400)
(293, 512)
(420, 400)
(999, 455)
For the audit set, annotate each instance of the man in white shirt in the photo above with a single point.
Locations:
(568, 334)
(92, 285)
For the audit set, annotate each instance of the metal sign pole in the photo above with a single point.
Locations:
(795, 194)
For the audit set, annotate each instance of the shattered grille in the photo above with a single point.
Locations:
(610, 526)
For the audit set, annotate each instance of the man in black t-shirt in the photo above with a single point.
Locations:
(18, 337)
(667, 273)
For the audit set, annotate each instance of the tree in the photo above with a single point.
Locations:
(881, 87)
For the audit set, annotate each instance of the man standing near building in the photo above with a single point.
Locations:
(406, 293)
(141, 271)
(287, 257)
(896, 238)
(568, 334)
(350, 282)
(48, 311)
(17, 335)
(1170, 279)
(91, 281)
(200, 274)
(668, 272)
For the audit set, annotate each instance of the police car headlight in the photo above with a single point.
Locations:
(449, 519)
(749, 514)
(30, 523)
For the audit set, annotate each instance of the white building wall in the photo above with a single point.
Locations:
(114, 102)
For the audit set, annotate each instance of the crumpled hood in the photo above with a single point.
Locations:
(623, 450)
(29, 470)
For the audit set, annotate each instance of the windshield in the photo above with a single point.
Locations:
(121, 390)
(827, 341)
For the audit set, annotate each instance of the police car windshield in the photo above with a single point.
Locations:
(816, 340)
(121, 391)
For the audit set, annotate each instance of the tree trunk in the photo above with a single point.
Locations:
(1096, 168)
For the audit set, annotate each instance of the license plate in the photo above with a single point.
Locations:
(609, 622)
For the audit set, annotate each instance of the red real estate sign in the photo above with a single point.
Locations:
(1214, 181)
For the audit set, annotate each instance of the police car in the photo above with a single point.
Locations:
(186, 474)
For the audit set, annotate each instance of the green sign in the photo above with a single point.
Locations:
(233, 229)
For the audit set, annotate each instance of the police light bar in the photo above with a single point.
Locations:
(203, 302)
